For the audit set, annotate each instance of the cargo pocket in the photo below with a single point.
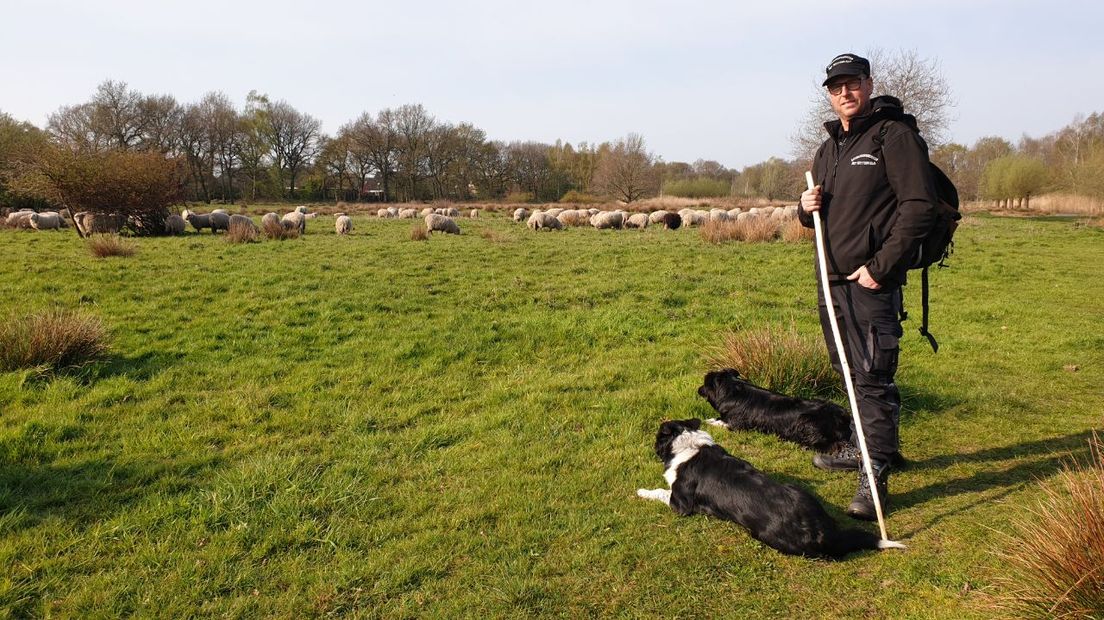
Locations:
(887, 346)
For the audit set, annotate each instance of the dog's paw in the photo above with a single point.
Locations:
(645, 493)
(716, 422)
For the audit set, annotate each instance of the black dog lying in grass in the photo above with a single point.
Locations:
(814, 424)
(705, 479)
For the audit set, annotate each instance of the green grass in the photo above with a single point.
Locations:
(379, 427)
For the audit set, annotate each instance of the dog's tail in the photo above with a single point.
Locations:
(851, 540)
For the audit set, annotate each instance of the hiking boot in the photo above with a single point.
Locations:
(862, 505)
(847, 458)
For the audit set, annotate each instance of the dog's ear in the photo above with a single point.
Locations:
(694, 424)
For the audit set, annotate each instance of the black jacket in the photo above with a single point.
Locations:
(878, 199)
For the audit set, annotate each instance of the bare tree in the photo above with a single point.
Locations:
(529, 166)
(917, 82)
(225, 135)
(375, 146)
(412, 124)
(161, 117)
(293, 137)
(627, 171)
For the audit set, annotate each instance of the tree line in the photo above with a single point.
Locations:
(268, 150)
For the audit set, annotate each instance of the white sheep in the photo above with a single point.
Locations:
(474, 213)
(426, 211)
(718, 215)
(47, 220)
(695, 218)
(19, 219)
(408, 214)
(442, 223)
(555, 212)
(520, 214)
(637, 220)
(656, 217)
(383, 213)
(607, 219)
(174, 225)
(302, 209)
(392, 212)
(592, 211)
(343, 225)
(295, 219)
(270, 219)
(452, 212)
(91, 223)
(733, 212)
(542, 220)
(224, 211)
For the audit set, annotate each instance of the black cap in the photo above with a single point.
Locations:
(846, 64)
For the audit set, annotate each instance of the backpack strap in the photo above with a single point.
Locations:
(924, 302)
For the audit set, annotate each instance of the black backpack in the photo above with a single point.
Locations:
(939, 242)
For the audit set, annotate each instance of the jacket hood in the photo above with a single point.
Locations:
(883, 107)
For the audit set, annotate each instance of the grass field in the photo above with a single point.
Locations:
(377, 427)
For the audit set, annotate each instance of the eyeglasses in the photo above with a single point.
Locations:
(852, 84)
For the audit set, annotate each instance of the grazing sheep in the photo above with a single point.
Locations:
(474, 213)
(778, 214)
(733, 212)
(198, 221)
(555, 212)
(607, 219)
(270, 219)
(48, 220)
(408, 214)
(383, 213)
(755, 210)
(219, 221)
(672, 221)
(174, 225)
(593, 211)
(295, 219)
(574, 217)
(790, 211)
(748, 215)
(224, 211)
(441, 223)
(241, 220)
(19, 219)
(695, 218)
(541, 220)
(637, 220)
(656, 217)
(344, 224)
(393, 212)
(520, 214)
(426, 211)
(92, 223)
(302, 209)
(718, 215)
(452, 212)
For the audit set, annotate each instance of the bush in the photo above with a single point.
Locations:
(699, 187)
(55, 339)
(581, 198)
(778, 359)
(103, 246)
(1055, 554)
(140, 186)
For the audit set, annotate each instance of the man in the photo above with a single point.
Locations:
(877, 202)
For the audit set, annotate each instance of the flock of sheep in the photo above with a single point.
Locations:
(441, 219)
(557, 219)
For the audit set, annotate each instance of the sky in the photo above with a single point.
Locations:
(719, 80)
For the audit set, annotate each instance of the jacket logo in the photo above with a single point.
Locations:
(866, 159)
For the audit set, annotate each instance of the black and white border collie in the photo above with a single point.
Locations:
(705, 479)
(815, 424)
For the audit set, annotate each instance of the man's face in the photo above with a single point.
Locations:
(850, 95)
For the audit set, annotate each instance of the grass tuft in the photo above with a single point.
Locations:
(779, 359)
(241, 232)
(1054, 556)
(793, 232)
(54, 339)
(753, 229)
(277, 231)
(103, 246)
(419, 233)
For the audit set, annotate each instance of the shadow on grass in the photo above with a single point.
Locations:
(140, 367)
(1032, 461)
(89, 492)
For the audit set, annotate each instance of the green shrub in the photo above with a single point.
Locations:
(581, 198)
(519, 197)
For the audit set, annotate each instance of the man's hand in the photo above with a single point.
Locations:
(810, 199)
(863, 276)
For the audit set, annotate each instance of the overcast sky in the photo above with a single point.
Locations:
(711, 80)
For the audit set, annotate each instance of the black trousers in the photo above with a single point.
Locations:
(870, 327)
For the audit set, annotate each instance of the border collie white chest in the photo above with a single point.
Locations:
(705, 479)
